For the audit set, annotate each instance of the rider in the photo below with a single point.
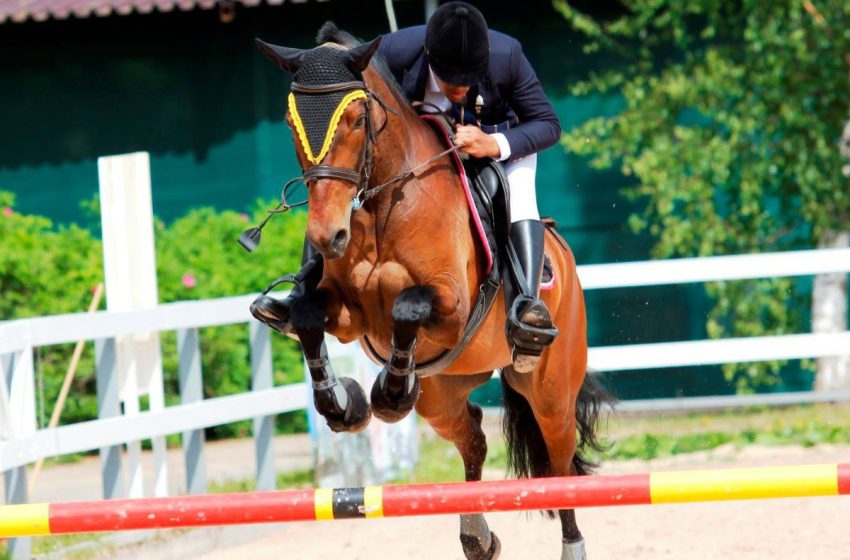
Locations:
(481, 77)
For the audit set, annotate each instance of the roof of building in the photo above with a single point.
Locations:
(18, 11)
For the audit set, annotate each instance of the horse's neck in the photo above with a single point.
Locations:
(406, 143)
(407, 146)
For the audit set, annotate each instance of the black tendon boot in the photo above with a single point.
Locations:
(275, 312)
(529, 327)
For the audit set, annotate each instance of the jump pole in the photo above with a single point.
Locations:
(425, 499)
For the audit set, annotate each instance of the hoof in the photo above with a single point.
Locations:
(272, 313)
(473, 551)
(356, 416)
(392, 408)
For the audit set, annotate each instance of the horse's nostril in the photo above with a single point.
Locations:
(340, 239)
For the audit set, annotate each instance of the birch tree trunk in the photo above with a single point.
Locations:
(829, 297)
(829, 314)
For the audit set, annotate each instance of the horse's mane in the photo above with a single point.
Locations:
(330, 33)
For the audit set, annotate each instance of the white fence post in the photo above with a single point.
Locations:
(108, 406)
(262, 378)
(192, 390)
(17, 421)
(129, 261)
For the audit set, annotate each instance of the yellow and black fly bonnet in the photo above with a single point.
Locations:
(315, 113)
(326, 80)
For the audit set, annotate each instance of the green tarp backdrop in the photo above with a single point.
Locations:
(195, 93)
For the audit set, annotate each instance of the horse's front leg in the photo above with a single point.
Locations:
(397, 387)
(341, 401)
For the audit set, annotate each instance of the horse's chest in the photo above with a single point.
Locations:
(364, 278)
(375, 285)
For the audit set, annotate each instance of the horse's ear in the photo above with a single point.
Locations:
(286, 58)
(359, 56)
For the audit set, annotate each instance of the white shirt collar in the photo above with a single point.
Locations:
(433, 86)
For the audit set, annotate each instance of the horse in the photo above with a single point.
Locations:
(402, 270)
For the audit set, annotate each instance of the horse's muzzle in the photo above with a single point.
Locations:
(336, 246)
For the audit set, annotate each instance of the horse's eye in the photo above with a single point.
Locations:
(358, 122)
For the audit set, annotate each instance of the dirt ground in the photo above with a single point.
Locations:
(804, 528)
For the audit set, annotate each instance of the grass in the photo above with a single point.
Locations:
(53, 543)
(645, 437)
(652, 437)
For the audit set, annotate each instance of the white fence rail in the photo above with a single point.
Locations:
(713, 269)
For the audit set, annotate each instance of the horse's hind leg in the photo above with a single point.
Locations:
(397, 387)
(341, 401)
(444, 404)
(551, 445)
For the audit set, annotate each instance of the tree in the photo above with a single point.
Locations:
(730, 137)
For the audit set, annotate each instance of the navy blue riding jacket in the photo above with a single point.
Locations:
(514, 102)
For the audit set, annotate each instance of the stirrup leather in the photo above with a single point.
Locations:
(291, 278)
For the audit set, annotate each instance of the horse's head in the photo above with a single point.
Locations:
(330, 117)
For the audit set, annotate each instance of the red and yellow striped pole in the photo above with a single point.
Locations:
(425, 499)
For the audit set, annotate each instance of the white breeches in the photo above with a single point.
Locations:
(521, 178)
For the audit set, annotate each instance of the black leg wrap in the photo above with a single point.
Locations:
(356, 415)
(341, 401)
(390, 406)
(473, 551)
(396, 389)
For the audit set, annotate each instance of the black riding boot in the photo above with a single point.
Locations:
(275, 312)
(529, 327)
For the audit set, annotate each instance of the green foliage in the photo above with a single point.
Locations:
(198, 258)
(728, 139)
(42, 268)
(46, 270)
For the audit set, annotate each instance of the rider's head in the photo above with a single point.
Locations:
(458, 47)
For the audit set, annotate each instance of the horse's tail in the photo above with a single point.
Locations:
(527, 455)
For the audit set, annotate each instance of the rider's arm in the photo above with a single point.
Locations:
(539, 127)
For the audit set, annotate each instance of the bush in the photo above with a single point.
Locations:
(46, 270)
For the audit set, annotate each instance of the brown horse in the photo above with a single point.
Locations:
(402, 270)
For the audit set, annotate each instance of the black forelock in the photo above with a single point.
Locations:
(330, 33)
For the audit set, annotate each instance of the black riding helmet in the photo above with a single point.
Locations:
(457, 44)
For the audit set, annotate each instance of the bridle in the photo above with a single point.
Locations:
(358, 177)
